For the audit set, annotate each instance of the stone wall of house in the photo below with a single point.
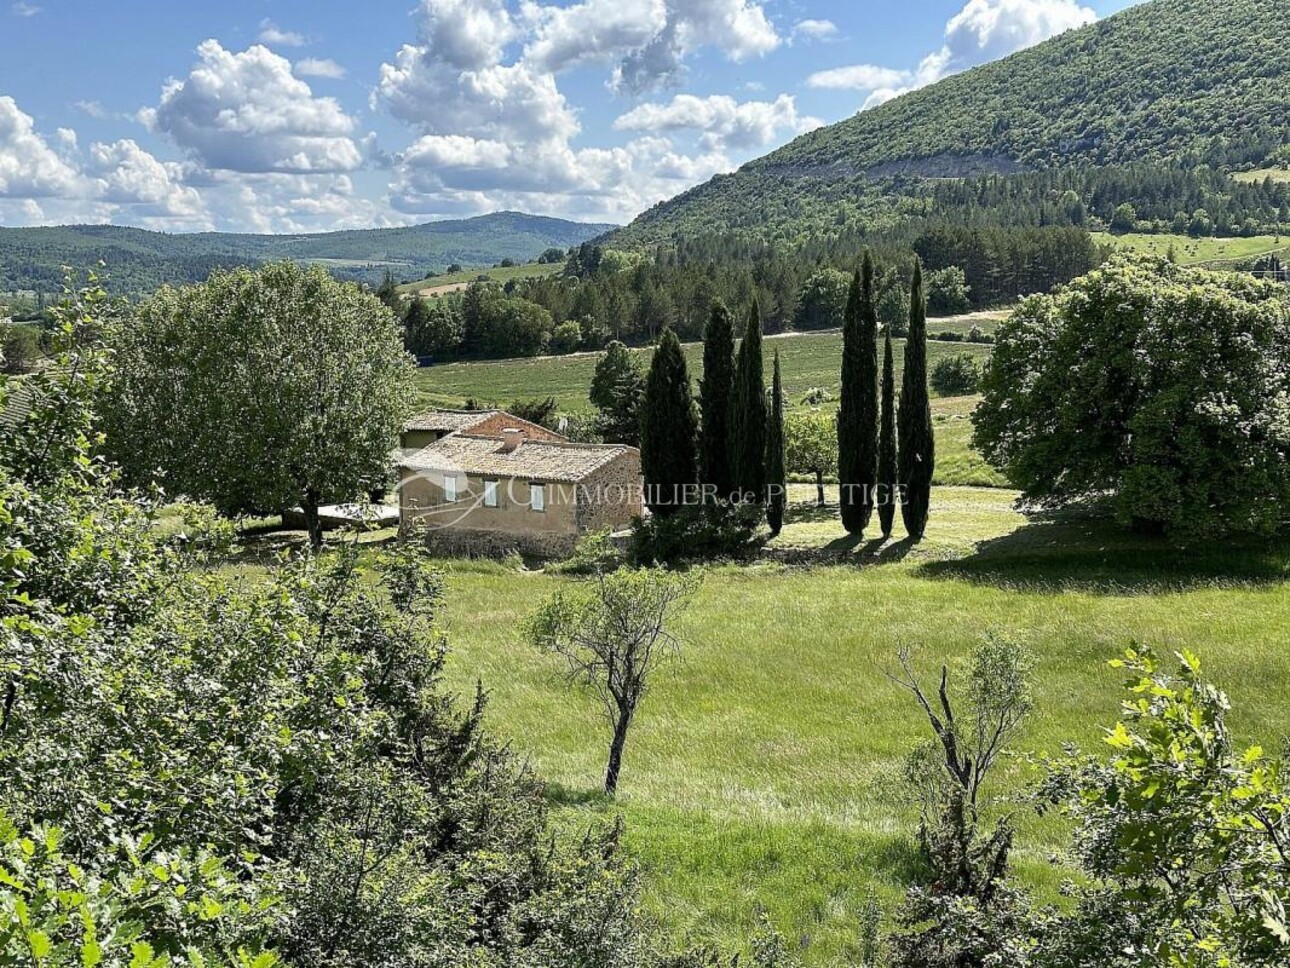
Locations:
(611, 496)
(421, 497)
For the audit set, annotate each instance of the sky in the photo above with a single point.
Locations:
(310, 115)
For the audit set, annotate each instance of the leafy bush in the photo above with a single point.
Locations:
(19, 347)
(700, 533)
(947, 292)
(1166, 388)
(955, 376)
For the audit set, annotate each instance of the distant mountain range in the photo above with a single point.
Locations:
(140, 261)
(1153, 106)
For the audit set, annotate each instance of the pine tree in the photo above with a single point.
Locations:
(715, 392)
(748, 415)
(777, 484)
(887, 444)
(858, 406)
(669, 429)
(916, 449)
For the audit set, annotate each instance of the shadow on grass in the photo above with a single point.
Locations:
(1079, 551)
(567, 796)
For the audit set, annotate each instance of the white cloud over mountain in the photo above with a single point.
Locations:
(982, 31)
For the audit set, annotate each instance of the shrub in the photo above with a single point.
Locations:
(1165, 388)
(19, 347)
(697, 533)
(947, 292)
(567, 337)
(956, 376)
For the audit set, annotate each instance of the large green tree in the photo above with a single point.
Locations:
(258, 390)
(887, 475)
(916, 445)
(716, 390)
(617, 386)
(748, 419)
(669, 429)
(776, 480)
(858, 406)
(1162, 387)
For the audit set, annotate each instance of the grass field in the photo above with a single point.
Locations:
(1276, 174)
(761, 774)
(500, 274)
(1191, 251)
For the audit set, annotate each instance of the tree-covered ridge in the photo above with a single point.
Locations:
(141, 261)
(1190, 87)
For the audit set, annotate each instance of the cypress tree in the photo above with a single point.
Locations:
(669, 429)
(916, 448)
(858, 406)
(715, 391)
(887, 444)
(748, 415)
(777, 484)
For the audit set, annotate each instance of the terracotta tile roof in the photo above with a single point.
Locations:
(448, 421)
(541, 460)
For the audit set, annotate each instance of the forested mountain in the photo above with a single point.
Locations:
(139, 261)
(1153, 107)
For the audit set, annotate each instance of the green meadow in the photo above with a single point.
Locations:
(1190, 251)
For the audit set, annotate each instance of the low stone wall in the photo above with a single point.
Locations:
(475, 543)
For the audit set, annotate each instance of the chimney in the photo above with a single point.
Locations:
(511, 438)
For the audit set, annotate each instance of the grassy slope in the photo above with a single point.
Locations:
(499, 274)
(1276, 174)
(809, 360)
(1192, 251)
(760, 773)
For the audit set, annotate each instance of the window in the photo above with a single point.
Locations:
(537, 497)
(490, 494)
(449, 488)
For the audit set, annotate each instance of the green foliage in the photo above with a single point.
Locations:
(811, 446)
(613, 632)
(669, 430)
(707, 532)
(716, 392)
(19, 347)
(251, 766)
(748, 415)
(948, 293)
(822, 301)
(617, 388)
(858, 407)
(888, 476)
(1183, 835)
(956, 376)
(258, 390)
(432, 327)
(916, 443)
(567, 337)
(776, 480)
(1163, 387)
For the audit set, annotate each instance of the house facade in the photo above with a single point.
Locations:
(491, 483)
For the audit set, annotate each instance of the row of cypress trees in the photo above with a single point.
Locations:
(738, 453)
(885, 455)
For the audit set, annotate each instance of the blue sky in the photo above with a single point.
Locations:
(295, 116)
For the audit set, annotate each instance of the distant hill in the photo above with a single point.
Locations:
(1191, 88)
(140, 261)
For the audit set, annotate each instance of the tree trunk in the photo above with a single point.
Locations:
(616, 752)
(819, 488)
(309, 505)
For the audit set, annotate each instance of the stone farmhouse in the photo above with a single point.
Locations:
(490, 483)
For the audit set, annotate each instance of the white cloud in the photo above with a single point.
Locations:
(93, 109)
(724, 122)
(320, 67)
(271, 33)
(589, 32)
(857, 77)
(29, 167)
(248, 112)
(815, 29)
(739, 28)
(982, 31)
(127, 175)
(25, 9)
